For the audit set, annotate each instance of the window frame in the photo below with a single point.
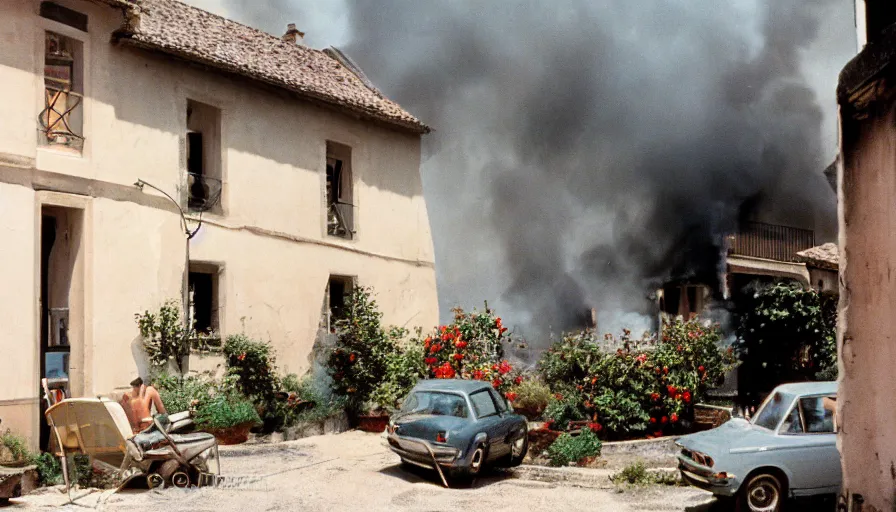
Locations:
(798, 404)
(491, 400)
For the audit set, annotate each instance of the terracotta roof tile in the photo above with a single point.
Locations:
(190, 33)
(823, 256)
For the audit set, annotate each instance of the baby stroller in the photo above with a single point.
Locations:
(99, 427)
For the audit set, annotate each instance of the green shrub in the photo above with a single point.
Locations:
(630, 386)
(49, 469)
(404, 368)
(164, 337)
(531, 396)
(787, 333)
(179, 393)
(16, 446)
(571, 449)
(364, 349)
(564, 407)
(252, 364)
(224, 411)
(306, 389)
(638, 475)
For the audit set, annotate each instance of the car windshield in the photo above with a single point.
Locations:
(773, 410)
(435, 403)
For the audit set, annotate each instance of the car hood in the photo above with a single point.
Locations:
(734, 435)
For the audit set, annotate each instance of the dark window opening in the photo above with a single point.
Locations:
(692, 299)
(203, 282)
(340, 207)
(202, 156)
(338, 290)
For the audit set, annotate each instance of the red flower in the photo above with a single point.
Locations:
(431, 361)
(595, 427)
(548, 424)
(674, 418)
(352, 357)
(652, 420)
(478, 375)
(671, 389)
(460, 344)
(510, 396)
(659, 370)
(498, 322)
(654, 396)
(443, 328)
(701, 369)
(458, 357)
(435, 348)
(427, 342)
(666, 370)
(664, 420)
(241, 357)
(496, 383)
(678, 348)
(504, 368)
(518, 380)
(558, 396)
(687, 396)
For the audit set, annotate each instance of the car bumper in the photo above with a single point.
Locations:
(421, 453)
(706, 478)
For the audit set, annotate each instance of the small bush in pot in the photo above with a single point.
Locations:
(572, 449)
(229, 416)
(531, 397)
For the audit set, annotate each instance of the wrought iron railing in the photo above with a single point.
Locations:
(203, 192)
(339, 220)
(56, 118)
(770, 241)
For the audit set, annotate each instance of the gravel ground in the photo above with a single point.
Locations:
(355, 471)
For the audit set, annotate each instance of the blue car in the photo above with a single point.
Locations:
(458, 426)
(789, 448)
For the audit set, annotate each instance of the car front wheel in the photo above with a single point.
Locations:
(762, 493)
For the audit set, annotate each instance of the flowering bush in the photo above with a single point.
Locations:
(252, 365)
(364, 348)
(630, 386)
(471, 347)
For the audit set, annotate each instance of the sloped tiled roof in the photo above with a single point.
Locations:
(190, 33)
(823, 256)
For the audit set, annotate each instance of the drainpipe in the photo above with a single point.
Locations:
(185, 285)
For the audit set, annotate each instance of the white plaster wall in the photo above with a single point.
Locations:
(19, 364)
(271, 238)
(866, 323)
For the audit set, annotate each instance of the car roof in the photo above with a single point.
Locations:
(460, 385)
(809, 388)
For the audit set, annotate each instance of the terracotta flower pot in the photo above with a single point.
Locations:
(236, 434)
(373, 422)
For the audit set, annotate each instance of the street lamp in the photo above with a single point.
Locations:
(188, 234)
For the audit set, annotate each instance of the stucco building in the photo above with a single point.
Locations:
(867, 188)
(306, 178)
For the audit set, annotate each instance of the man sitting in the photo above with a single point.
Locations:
(138, 404)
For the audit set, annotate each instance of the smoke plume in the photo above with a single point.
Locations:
(586, 151)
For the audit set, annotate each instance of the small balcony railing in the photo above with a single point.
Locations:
(57, 120)
(340, 220)
(203, 192)
(770, 241)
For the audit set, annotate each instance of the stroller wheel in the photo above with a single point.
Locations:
(154, 480)
(180, 479)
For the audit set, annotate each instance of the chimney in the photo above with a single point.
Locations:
(294, 35)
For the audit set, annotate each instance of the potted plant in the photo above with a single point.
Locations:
(13, 451)
(228, 416)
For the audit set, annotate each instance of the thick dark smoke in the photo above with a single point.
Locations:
(588, 150)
